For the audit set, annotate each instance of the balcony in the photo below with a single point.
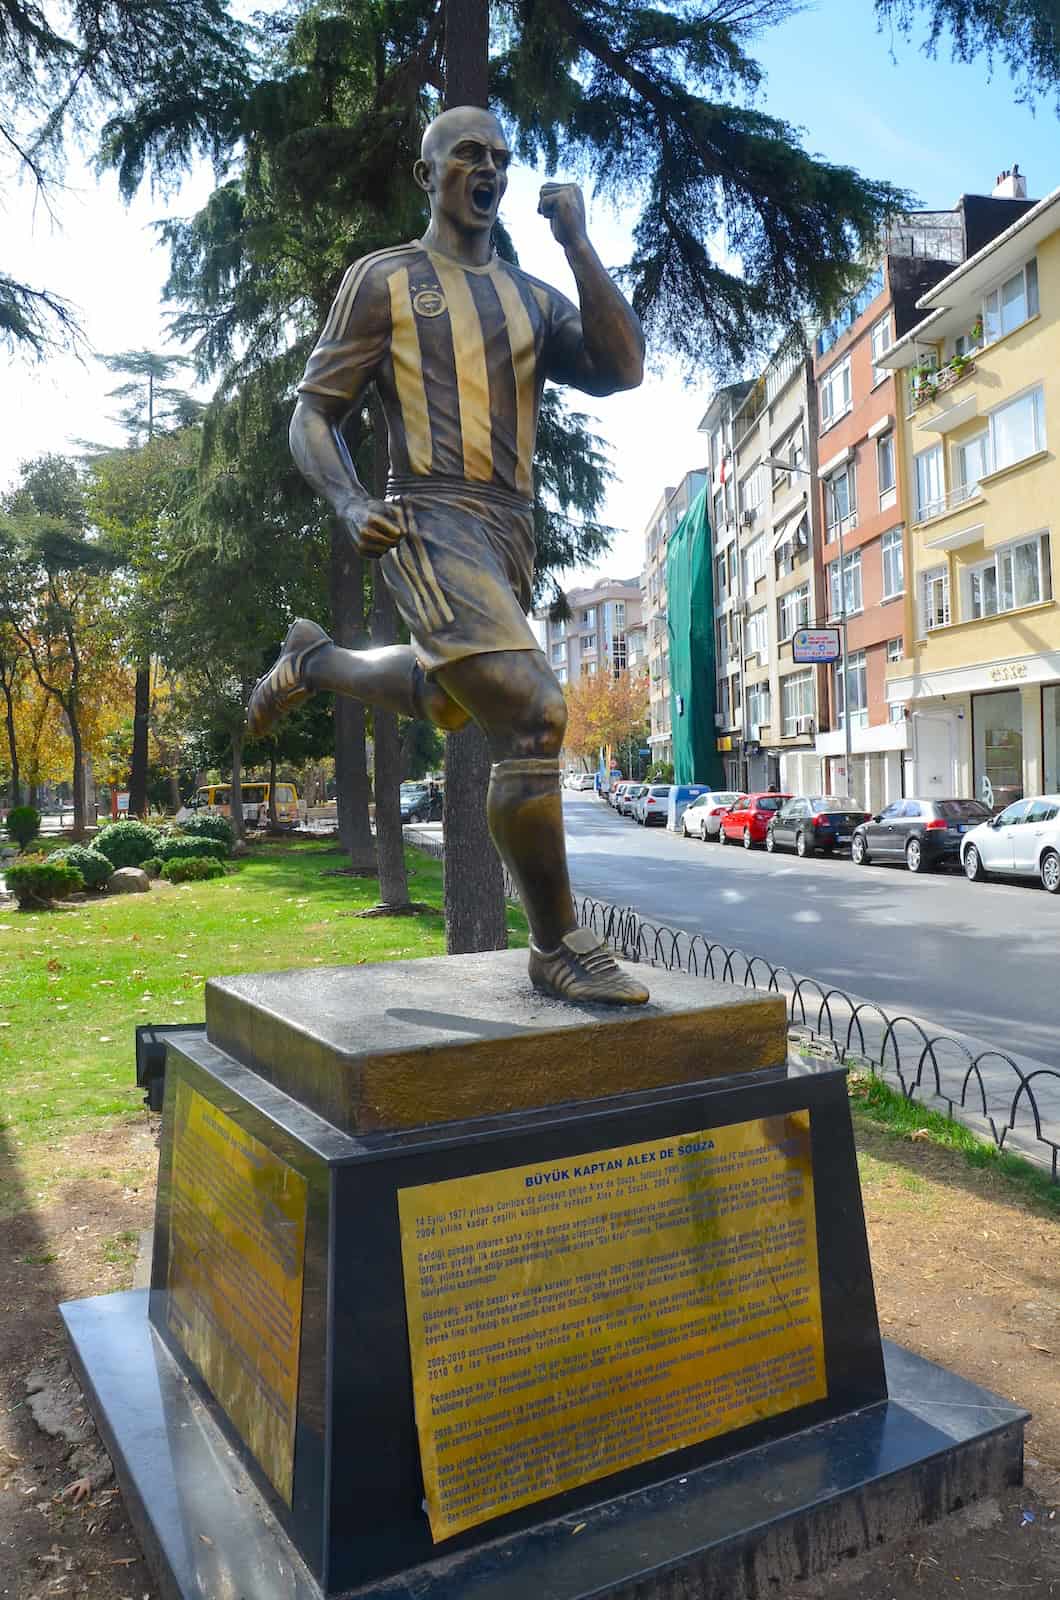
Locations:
(952, 500)
(927, 383)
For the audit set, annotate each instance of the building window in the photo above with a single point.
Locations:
(834, 390)
(620, 616)
(1017, 430)
(791, 450)
(758, 704)
(796, 701)
(619, 655)
(971, 460)
(561, 674)
(754, 562)
(588, 669)
(1016, 575)
(588, 643)
(858, 683)
(756, 636)
(895, 711)
(935, 598)
(793, 610)
(885, 473)
(881, 343)
(895, 649)
(721, 568)
(750, 496)
(587, 619)
(850, 600)
(893, 564)
(559, 651)
(723, 641)
(841, 501)
(1011, 303)
(930, 488)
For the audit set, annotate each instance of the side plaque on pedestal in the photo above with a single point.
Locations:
(236, 1251)
(570, 1321)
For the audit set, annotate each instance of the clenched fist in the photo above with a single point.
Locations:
(564, 207)
(376, 526)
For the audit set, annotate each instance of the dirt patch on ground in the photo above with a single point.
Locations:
(966, 1274)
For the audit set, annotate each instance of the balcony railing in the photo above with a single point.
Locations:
(945, 503)
(927, 383)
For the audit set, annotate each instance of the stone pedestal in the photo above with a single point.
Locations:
(445, 1272)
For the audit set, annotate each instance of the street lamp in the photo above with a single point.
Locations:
(806, 472)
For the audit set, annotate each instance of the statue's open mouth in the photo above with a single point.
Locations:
(483, 196)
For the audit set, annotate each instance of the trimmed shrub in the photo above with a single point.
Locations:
(91, 864)
(152, 866)
(39, 880)
(192, 869)
(200, 849)
(23, 824)
(209, 827)
(127, 844)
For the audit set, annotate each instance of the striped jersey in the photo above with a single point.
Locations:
(459, 356)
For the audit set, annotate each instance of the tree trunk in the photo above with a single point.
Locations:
(274, 821)
(389, 838)
(12, 744)
(351, 760)
(138, 763)
(467, 26)
(79, 770)
(475, 917)
(235, 804)
(174, 789)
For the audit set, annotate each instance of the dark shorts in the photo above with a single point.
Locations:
(463, 576)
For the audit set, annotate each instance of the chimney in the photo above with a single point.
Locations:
(1010, 185)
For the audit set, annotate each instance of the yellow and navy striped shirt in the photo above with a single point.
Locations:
(459, 355)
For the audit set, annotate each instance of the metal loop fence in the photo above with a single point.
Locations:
(986, 1089)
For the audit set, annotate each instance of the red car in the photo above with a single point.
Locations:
(747, 819)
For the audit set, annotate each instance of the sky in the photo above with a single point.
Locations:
(857, 96)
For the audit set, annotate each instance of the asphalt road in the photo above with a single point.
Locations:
(981, 958)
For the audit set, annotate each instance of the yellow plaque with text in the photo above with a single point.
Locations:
(236, 1251)
(567, 1321)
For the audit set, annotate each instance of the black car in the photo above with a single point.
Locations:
(922, 833)
(811, 822)
(421, 802)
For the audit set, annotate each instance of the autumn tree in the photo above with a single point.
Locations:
(605, 710)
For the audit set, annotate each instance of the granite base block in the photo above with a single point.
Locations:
(737, 1530)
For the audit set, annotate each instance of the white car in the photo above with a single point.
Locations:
(1021, 841)
(702, 819)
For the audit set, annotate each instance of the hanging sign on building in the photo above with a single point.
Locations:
(815, 644)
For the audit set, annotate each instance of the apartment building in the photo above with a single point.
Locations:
(672, 506)
(979, 676)
(767, 573)
(595, 637)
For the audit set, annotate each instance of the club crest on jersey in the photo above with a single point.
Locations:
(428, 303)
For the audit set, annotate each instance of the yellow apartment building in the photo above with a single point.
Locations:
(979, 678)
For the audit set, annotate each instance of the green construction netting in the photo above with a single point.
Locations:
(690, 586)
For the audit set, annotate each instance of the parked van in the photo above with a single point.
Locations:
(681, 797)
(215, 799)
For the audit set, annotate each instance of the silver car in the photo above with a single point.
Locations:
(1023, 841)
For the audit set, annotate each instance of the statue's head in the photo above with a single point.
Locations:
(463, 167)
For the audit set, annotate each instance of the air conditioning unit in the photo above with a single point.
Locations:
(805, 725)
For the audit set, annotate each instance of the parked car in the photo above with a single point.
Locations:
(1024, 840)
(583, 780)
(681, 797)
(649, 808)
(812, 822)
(702, 820)
(627, 798)
(421, 802)
(747, 819)
(922, 833)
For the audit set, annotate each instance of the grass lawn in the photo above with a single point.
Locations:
(75, 981)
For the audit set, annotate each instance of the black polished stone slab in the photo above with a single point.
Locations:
(739, 1529)
(356, 1515)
